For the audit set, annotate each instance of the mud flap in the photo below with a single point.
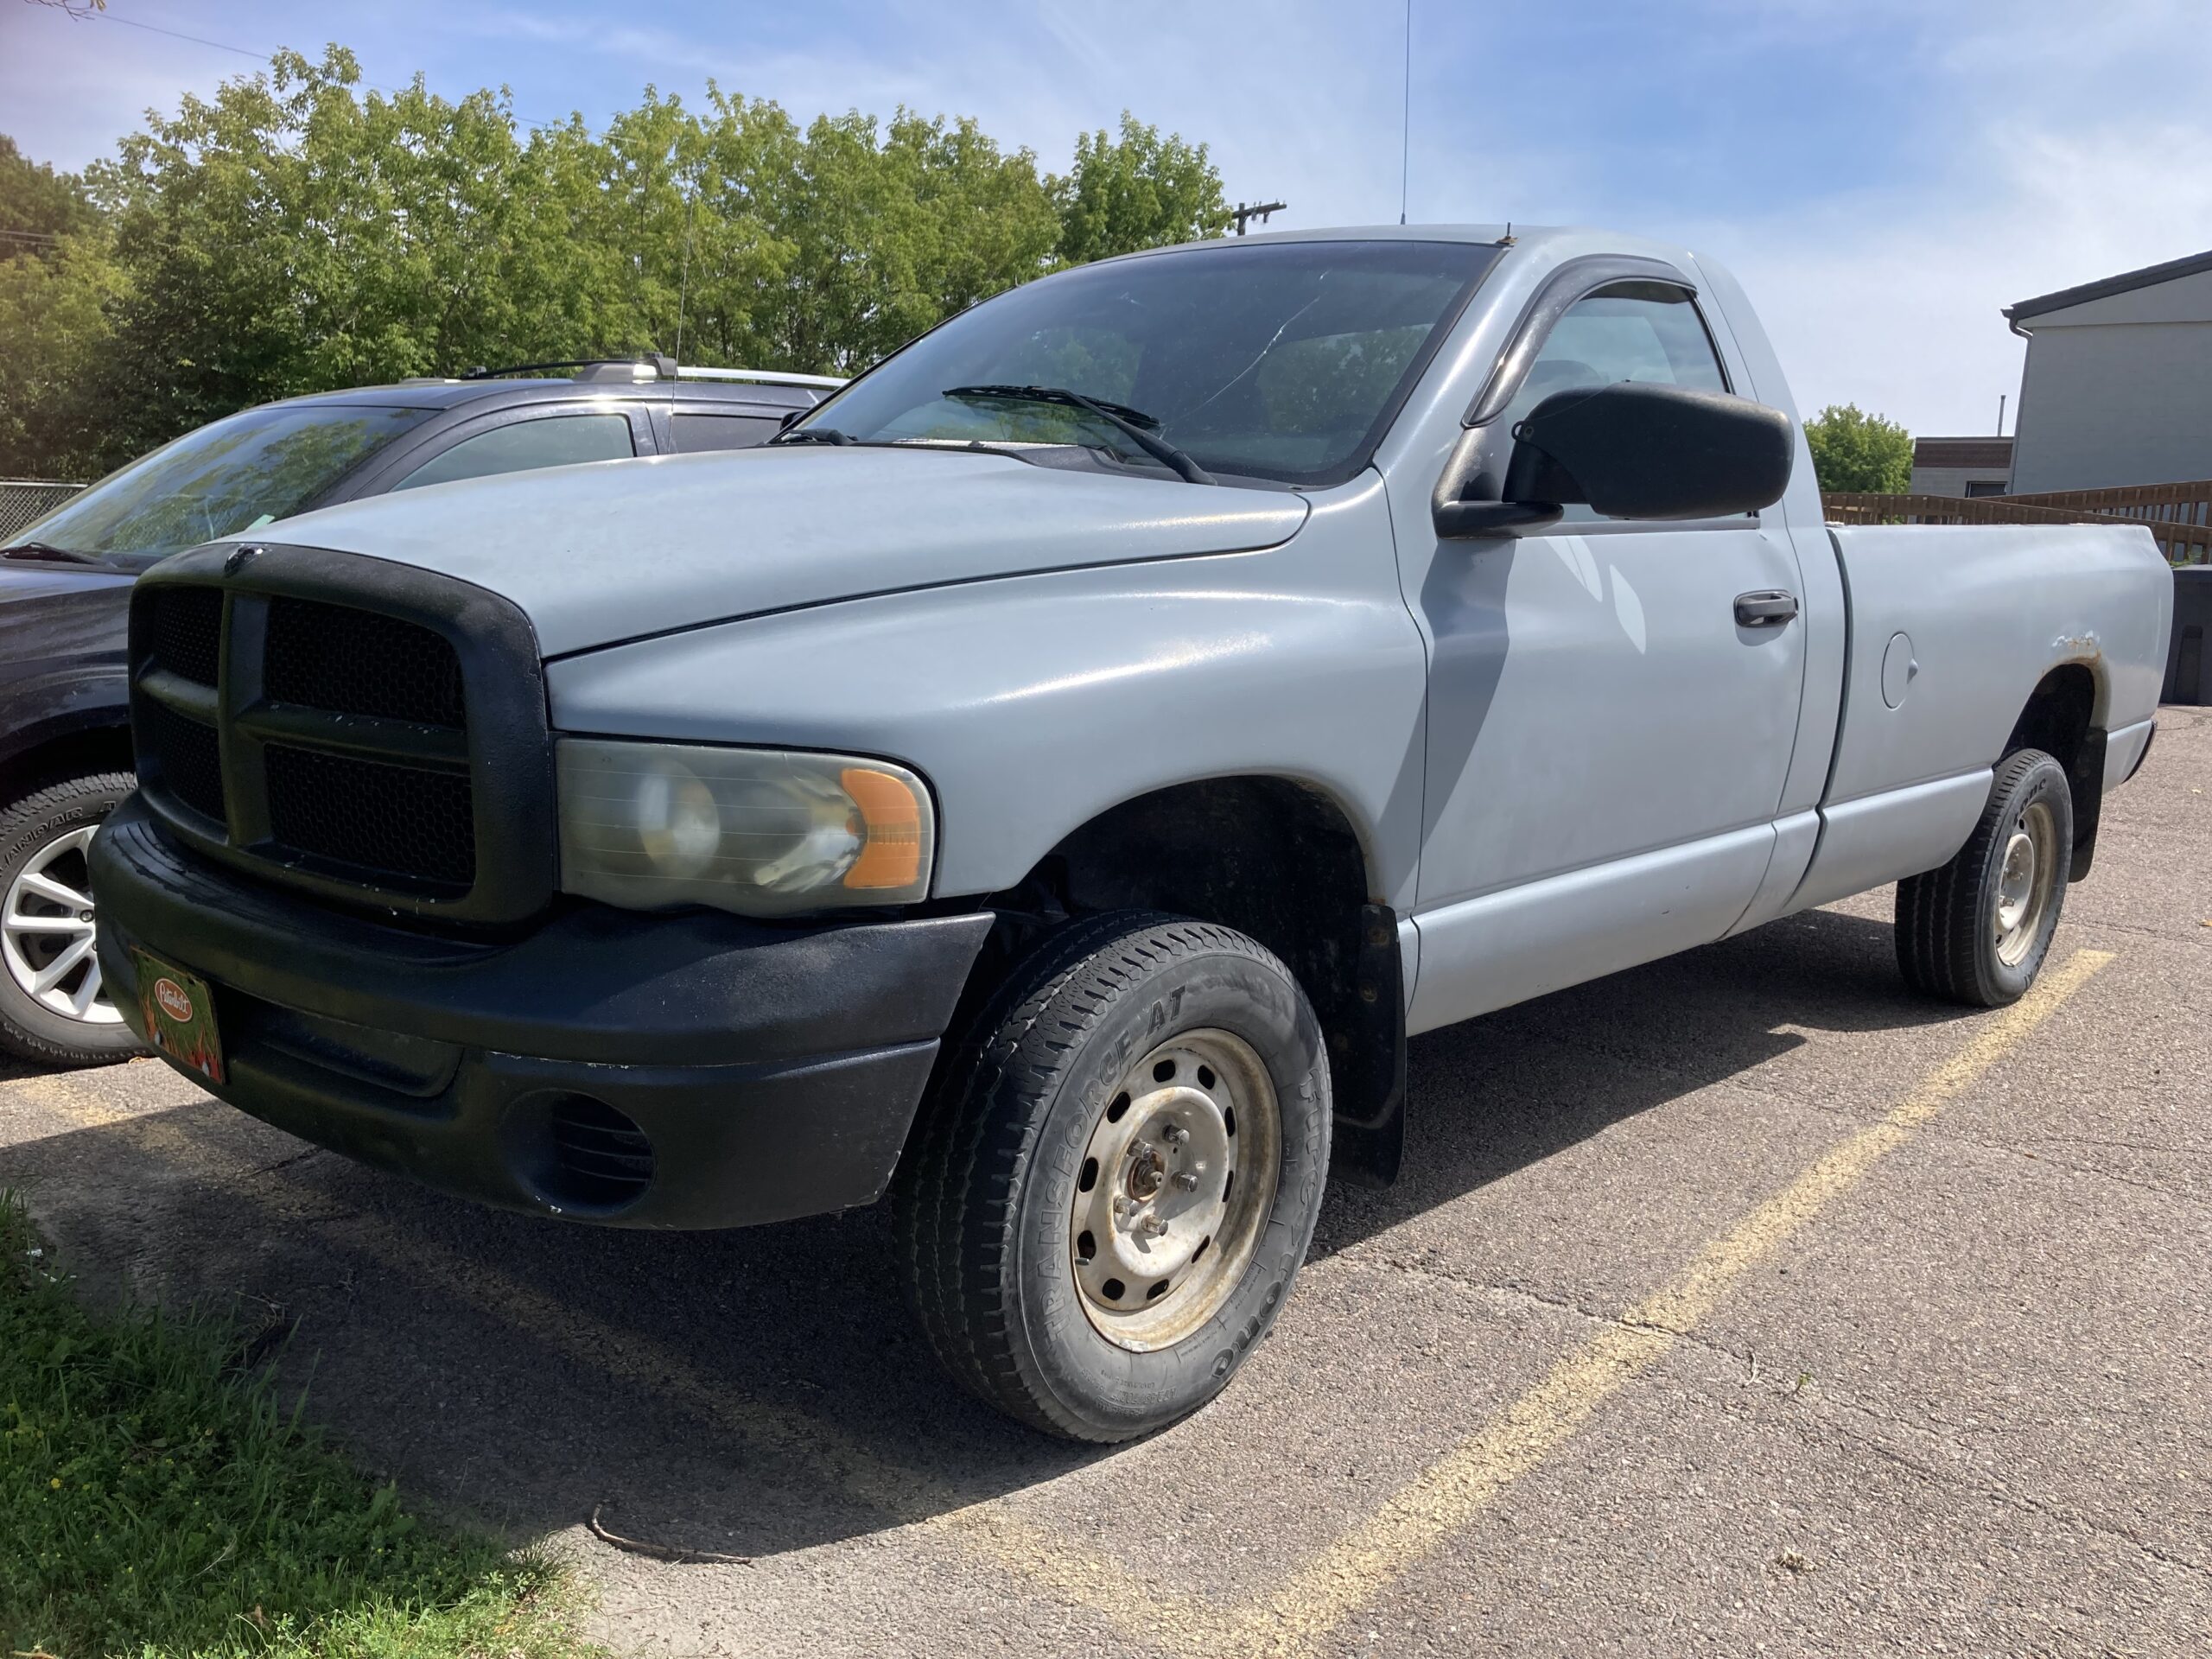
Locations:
(1367, 1059)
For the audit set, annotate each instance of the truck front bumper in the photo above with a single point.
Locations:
(684, 1071)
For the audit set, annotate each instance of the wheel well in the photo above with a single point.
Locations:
(94, 748)
(1277, 860)
(2056, 720)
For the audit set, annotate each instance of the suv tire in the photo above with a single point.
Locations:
(68, 1022)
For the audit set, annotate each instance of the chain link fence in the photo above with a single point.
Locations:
(25, 499)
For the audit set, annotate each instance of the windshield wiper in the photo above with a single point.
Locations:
(813, 434)
(1130, 422)
(48, 553)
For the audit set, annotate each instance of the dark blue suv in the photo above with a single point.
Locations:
(65, 582)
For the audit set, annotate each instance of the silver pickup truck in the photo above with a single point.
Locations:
(1052, 781)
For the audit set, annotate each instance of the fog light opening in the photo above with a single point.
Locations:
(579, 1153)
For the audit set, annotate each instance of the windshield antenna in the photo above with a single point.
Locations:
(1406, 115)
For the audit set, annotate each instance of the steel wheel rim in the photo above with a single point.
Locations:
(47, 930)
(1178, 1179)
(2024, 879)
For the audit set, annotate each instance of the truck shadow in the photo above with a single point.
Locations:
(763, 1391)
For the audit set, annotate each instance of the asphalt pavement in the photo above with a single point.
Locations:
(1740, 1303)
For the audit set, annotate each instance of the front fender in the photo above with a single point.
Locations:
(50, 707)
(1033, 704)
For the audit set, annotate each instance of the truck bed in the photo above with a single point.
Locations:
(1951, 630)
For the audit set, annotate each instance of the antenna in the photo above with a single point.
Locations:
(1405, 116)
(2000, 413)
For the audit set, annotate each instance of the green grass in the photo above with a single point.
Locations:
(158, 1498)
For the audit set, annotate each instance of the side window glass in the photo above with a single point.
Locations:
(696, 432)
(1629, 331)
(553, 440)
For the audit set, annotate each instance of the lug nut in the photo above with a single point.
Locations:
(1176, 1134)
(1188, 1181)
(1152, 1226)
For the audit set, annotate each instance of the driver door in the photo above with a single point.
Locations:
(1606, 743)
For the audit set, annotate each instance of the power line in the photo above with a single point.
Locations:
(177, 34)
(263, 57)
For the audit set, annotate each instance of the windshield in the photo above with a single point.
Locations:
(1281, 361)
(232, 475)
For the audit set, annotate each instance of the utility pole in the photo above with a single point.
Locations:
(1257, 210)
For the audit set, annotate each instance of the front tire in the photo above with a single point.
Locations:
(53, 1009)
(1976, 931)
(1121, 1175)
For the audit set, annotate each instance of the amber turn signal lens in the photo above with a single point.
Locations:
(891, 853)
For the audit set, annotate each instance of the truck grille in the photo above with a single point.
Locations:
(359, 663)
(347, 725)
(188, 632)
(398, 822)
(188, 759)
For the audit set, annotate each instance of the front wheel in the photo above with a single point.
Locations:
(1977, 929)
(1120, 1177)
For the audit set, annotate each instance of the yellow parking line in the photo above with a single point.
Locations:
(1330, 1586)
(1351, 1571)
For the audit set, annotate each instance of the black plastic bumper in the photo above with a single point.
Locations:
(771, 1071)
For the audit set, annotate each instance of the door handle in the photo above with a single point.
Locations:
(1770, 608)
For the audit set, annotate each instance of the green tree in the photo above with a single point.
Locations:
(38, 205)
(1138, 190)
(296, 234)
(56, 282)
(286, 237)
(53, 332)
(1855, 451)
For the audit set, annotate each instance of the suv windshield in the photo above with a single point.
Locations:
(233, 474)
(1279, 360)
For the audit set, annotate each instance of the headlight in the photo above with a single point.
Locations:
(763, 832)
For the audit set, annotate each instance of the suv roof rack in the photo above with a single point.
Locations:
(653, 366)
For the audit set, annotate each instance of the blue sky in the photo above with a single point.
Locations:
(1883, 175)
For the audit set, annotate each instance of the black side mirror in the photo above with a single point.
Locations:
(1631, 450)
(1636, 450)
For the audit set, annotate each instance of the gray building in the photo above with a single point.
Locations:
(1961, 466)
(2118, 385)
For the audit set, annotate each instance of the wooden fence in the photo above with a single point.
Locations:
(2183, 505)
(2183, 538)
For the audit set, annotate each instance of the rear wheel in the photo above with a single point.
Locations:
(1120, 1176)
(1977, 929)
(54, 1006)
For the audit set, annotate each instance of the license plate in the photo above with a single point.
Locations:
(179, 1016)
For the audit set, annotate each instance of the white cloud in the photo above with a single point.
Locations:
(1893, 303)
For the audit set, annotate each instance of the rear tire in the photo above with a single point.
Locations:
(1976, 931)
(1119, 1175)
(54, 1010)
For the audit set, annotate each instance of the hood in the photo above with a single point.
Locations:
(61, 620)
(616, 549)
(29, 587)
